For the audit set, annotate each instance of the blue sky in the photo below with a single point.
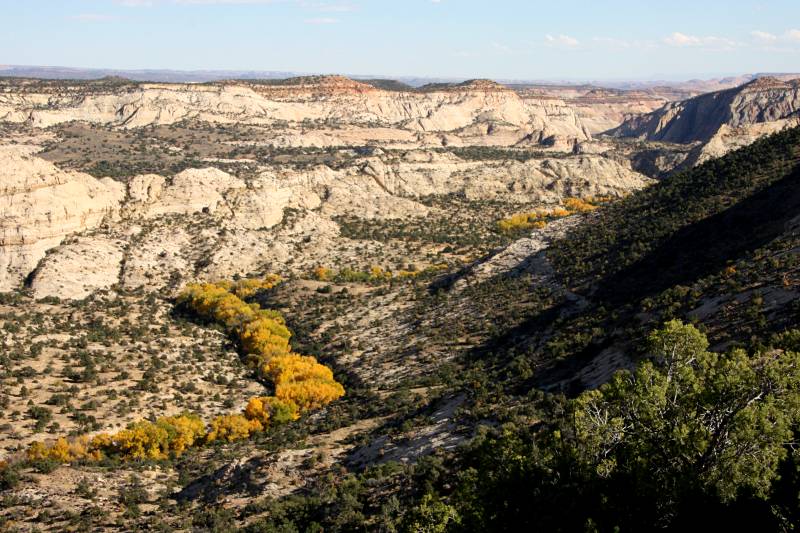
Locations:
(509, 39)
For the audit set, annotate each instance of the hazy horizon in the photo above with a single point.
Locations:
(508, 40)
(201, 75)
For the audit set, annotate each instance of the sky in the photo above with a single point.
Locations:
(499, 39)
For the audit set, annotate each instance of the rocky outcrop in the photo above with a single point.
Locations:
(190, 191)
(731, 138)
(159, 233)
(78, 268)
(155, 232)
(721, 121)
(40, 205)
(599, 110)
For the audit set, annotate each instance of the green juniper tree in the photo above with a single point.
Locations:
(689, 429)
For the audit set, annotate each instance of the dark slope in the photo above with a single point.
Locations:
(718, 245)
(707, 246)
(686, 226)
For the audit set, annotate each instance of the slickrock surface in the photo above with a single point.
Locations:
(40, 205)
(233, 207)
(76, 269)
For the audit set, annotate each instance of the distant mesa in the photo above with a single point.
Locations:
(343, 84)
(388, 84)
(469, 85)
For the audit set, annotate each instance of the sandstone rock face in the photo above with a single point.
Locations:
(40, 205)
(724, 120)
(191, 191)
(70, 234)
(205, 223)
(477, 109)
(76, 269)
(423, 173)
(599, 110)
(145, 189)
(729, 138)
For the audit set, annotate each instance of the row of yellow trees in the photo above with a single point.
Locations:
(300, 384)
(539, 218)
(298, 380)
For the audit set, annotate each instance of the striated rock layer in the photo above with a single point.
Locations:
(40, 205)
(68, 234)
(473, 109)
(721, 121)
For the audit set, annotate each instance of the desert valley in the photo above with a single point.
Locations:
(330, 304)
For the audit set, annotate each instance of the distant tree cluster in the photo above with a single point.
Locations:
(539, 218)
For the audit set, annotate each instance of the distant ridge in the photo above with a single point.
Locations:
(153, 75)
(199, 76)
(760, 100)
(695, 86)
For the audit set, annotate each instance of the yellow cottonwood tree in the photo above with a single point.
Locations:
(264, 337)
(62, 450)
(269, 410)
(230, 428)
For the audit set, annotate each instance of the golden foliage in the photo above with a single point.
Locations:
(294, 367)
(300, 382)
(576, 205)
(523, 221)
(245, 288)
(182, 431)
(322, 273)
(230, 428)
(167, 436)
(539, 218)
(140, 440)
(377, 273)
(62, 450)
(101, 441)
(270, 410)
(265, 337)
(309, 394)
